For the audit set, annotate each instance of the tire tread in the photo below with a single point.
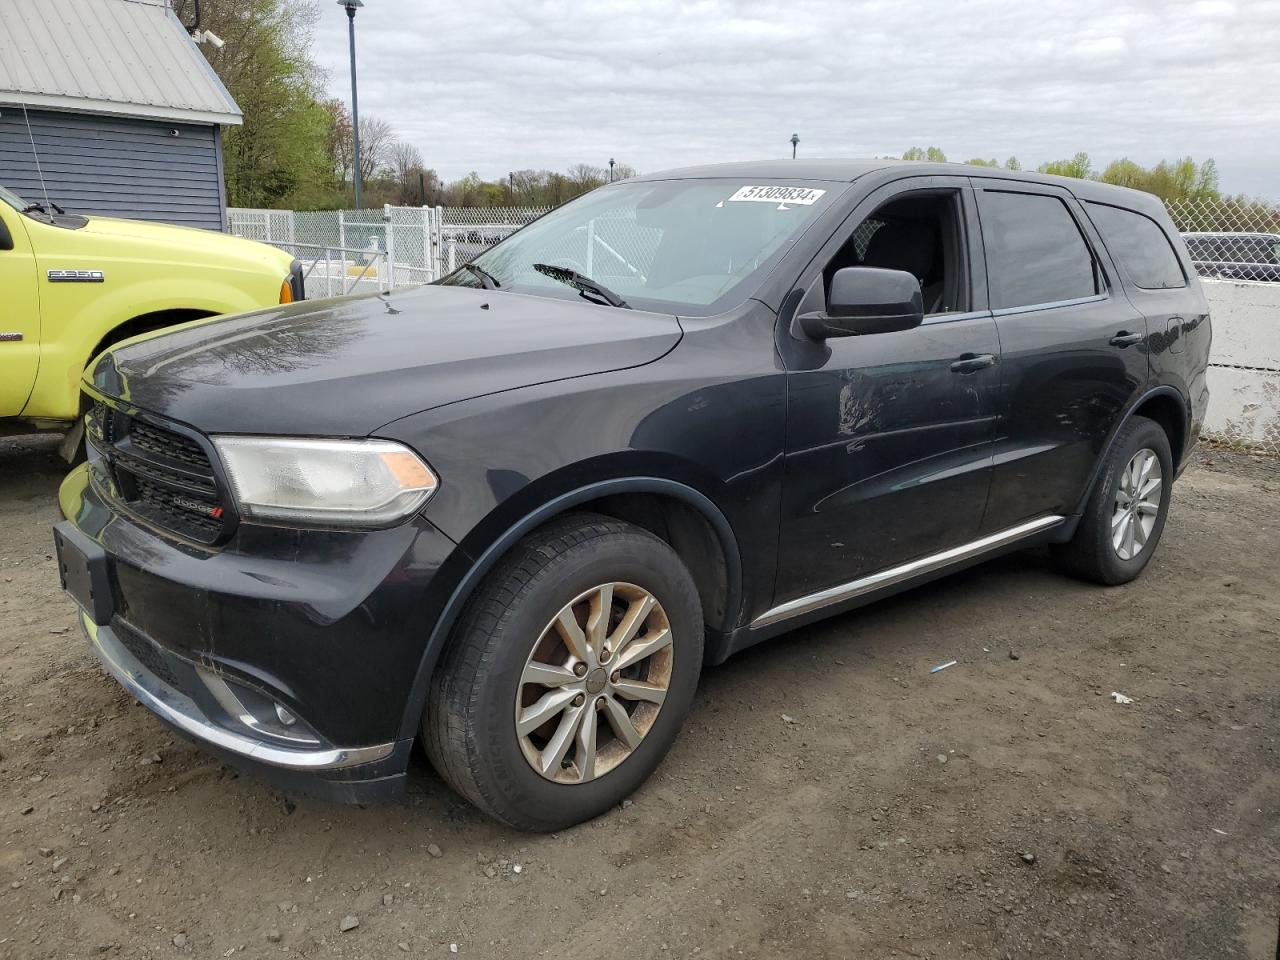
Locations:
(454, 690)
(1089, 555)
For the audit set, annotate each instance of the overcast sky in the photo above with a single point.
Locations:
(491, 85)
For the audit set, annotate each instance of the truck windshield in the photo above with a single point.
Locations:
(682, 246)
(12, 199)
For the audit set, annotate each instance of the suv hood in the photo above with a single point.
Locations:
(348, 366)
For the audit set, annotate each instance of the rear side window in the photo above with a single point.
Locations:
(1035, 252)
(1140, 245)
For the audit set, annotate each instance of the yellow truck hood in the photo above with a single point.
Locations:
(185, 243)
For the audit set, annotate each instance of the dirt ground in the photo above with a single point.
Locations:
(1000, 808)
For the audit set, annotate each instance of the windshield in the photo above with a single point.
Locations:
(12, 199)
(695, 247)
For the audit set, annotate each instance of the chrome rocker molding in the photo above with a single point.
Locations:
(907, 571)
(178, 710)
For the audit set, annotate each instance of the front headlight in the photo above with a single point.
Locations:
(344, 483)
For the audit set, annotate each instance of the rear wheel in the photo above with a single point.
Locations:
(568, 677)
(1125, 515)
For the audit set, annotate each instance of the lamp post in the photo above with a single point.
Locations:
(611, 162)
(511, 188)
(795, 139)
(351, 6)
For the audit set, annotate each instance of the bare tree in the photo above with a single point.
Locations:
(376, 140)
(403, 160)
(586, 177)
(339, 139)
(414, 183)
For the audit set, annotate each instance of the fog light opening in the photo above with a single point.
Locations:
(248, 707)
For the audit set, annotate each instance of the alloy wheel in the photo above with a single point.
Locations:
(594, 683)
(1137, 504)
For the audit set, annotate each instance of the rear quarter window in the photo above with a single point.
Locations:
(1036, 254)
(1140, 245)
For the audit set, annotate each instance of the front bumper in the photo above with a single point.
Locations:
(357, 775)
(331, 627)
(185, 715)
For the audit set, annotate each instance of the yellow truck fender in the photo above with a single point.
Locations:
(110, 315)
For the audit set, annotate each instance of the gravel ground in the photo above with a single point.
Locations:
(1005, 807)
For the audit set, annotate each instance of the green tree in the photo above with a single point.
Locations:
(1078, 166)
(932, 154)
(979, 162)
(1182, 179)
(1125, 173)
(278, 157)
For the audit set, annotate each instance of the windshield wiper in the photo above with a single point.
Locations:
(39, 208)
(484, 276)
(582, 283)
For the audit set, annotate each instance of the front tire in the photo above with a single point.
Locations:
(1125, 515)
(568, 676)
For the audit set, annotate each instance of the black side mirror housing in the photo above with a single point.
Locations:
(866, 300)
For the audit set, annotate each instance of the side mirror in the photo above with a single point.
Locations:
(866, 300)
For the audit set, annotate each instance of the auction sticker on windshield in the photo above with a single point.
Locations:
(799, 195)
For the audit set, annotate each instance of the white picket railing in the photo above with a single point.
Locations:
(417, 244)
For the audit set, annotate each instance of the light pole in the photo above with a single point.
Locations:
(795, 137)
(611, 162)
(511, 189)
(351, 6)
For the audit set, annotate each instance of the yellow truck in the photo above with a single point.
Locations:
(71, 286)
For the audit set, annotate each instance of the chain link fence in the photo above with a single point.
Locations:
(1235, 245)
(1230, 239)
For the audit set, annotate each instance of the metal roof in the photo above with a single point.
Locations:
(129, 58)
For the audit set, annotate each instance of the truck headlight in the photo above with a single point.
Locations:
(332, 483)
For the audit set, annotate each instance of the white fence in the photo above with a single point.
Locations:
(412, 245)
(345, 251)
(1244, 367)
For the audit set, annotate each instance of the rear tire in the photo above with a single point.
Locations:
(516, 656)
(1125, 515)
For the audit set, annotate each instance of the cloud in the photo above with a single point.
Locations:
(493, 86)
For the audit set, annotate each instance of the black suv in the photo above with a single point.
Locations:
(517, 511)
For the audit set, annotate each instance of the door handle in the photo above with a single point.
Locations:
(973, 362)
(1126, 339)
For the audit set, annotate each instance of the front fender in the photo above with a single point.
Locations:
(497, 547)
(77, 317)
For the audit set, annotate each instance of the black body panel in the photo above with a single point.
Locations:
(331, 624)
(811, 464)
(344, 367)
(1065, 384)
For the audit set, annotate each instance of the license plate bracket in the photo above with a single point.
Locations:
(83, 570)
